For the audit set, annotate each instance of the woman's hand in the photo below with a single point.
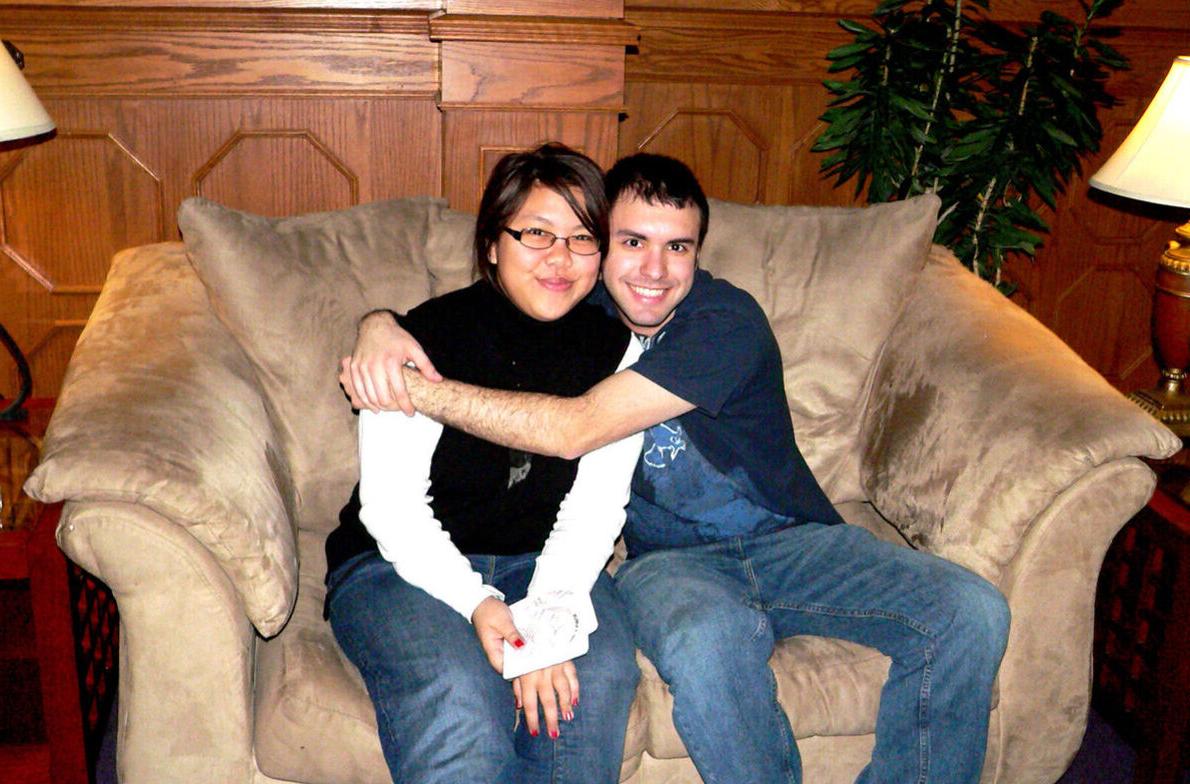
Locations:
(493, 625)
(372, 376)
(554, 689)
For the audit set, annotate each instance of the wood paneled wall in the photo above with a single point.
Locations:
(285, 106)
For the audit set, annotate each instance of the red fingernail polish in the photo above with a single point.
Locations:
(533, 733)
(574, 702)
(554, 734)
(519, 643)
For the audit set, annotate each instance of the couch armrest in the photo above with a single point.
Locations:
(186, 647)
(161, 408)
(979, 417)
(1045, 678)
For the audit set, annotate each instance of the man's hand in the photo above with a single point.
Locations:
(554, 689)
(493, 625)
(372, 376)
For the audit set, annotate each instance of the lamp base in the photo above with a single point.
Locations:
(1169, 403)
(13, 411)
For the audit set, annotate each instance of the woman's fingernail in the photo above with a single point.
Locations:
(533, 733)
(554, 734)
(574, 702)
(518, 643)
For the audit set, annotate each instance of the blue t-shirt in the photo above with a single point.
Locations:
(731, 466)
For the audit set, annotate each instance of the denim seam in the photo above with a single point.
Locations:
(756, 603)
(923, 718)
(821, 609)
(787, 740)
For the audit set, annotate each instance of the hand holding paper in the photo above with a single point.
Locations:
(555, 627)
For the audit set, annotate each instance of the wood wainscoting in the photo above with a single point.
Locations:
(286, 106)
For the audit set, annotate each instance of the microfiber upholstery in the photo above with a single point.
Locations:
(203, 448)
(966, 436)
(832, 281)
(174, 424)
(290, 290)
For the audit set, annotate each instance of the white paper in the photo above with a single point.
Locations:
(555, 627)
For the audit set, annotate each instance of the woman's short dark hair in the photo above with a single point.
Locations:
(567, 172)
(660, 180)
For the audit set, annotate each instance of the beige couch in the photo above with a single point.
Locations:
(203, 449)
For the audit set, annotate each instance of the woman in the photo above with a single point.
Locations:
(445, 530)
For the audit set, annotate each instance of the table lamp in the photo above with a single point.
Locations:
(22, 117)
(1153, 165)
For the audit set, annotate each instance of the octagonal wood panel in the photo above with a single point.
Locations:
(80, 179)
(67, 206)
(278, 172)
(1122, 299)
(726, 153)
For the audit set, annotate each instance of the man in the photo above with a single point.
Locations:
(732, 544)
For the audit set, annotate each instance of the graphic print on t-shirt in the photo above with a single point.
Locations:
(679, 498)
(667, 442)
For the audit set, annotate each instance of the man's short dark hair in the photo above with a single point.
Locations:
(658, 179)
(569, 173)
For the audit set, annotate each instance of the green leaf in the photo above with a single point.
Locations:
(1057, 133)
(847, 50)
(915, 108)
(855, 27)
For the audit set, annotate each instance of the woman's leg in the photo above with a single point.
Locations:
(590, 748)
(443, 713)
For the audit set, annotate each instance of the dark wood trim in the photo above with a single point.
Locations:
(176, 6)
(21, 20)
(544, 30)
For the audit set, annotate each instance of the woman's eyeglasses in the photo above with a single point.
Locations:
(540, 239)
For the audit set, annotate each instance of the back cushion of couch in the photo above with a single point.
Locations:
(291, 291)
(832, 281)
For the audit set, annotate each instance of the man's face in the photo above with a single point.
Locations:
(650, 263)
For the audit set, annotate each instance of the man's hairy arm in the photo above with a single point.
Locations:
(568, 427)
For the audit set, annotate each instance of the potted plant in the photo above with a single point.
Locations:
(992, 118)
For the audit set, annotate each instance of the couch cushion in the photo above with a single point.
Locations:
(832, 281)
(174, 423)
(308, 692)
(290, 290)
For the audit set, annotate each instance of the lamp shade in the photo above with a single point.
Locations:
(1153, 163)
(21, 114)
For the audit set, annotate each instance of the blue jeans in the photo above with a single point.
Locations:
(708, 616)
(443, 713)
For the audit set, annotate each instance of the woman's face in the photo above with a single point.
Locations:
(545, 284)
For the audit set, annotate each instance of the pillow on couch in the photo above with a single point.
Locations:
(291, 290)
(832, 281)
